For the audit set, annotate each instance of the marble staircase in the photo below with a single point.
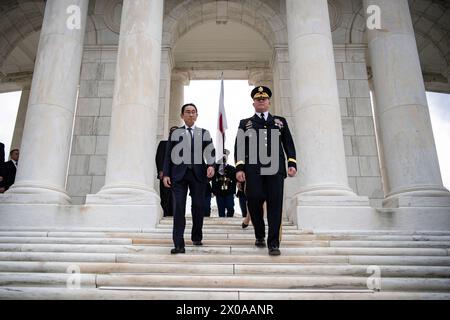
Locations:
(136, 264)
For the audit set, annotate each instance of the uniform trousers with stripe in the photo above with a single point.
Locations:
(269, 189)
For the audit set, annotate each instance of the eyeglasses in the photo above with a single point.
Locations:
(190, 112)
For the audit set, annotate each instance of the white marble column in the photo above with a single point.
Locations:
(315, 101)
(47, 134)
(409, 153)
(21, 115)
(130, 171)
(179, 80)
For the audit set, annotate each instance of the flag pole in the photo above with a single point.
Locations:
(222, 125)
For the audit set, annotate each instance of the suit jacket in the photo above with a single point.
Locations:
(160, 154)
(185, 152)
(9, 174)
(2, 161)
(262, 133)
(2, 153)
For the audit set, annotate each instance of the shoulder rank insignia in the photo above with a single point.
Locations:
(279, 123)
(249, 125)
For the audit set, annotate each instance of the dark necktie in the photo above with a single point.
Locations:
(192, 148)
(262, 117)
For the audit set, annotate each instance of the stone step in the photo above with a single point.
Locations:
(218, 221)
(32, 293)
(310, 243)
(383, 232)
(390, 244)
(60, 256)
(220, 249)
(222, 281)
(269, 281)
(219, 227)
(213, 242)
(165, 242)
(153, 230)
(354, 260)
(197, 258)
(216, 236)
(224, 268)
(45, 279)
(60, 240)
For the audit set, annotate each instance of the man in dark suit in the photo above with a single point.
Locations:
(9, 170)
(164, 193)
(185, 167)
(2, 153)
(260, 149)
(2, 161)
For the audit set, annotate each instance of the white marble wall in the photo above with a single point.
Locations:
(92, 124)
(361, 152)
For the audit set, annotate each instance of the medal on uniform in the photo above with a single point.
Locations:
(279, 123)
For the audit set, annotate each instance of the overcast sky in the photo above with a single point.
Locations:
(238, 105)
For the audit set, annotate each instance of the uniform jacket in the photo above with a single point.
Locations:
(263, 131)
(218, 181)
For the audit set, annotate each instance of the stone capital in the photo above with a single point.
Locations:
(258, 76)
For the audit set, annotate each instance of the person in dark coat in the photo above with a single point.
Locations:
(224, 188)
(2, 161)
(263, 144)
(188, 163)
(2, 153)
(9, 170)
(164, 193)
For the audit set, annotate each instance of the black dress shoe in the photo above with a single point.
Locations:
(274, 251)
(197, 243)
(260, 243)
(177, 250)
(244, 225)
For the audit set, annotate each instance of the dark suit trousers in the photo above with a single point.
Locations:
(166, 199)
(269, 189)
(179, 194)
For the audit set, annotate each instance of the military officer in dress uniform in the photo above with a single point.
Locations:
(264, 171)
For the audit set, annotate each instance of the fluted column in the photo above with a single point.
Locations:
(179, 80)
(47, 133)
(409, 153)
(315, 101)
(130, 172)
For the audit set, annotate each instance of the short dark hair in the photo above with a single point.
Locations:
(188, 105)
(11, 152)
